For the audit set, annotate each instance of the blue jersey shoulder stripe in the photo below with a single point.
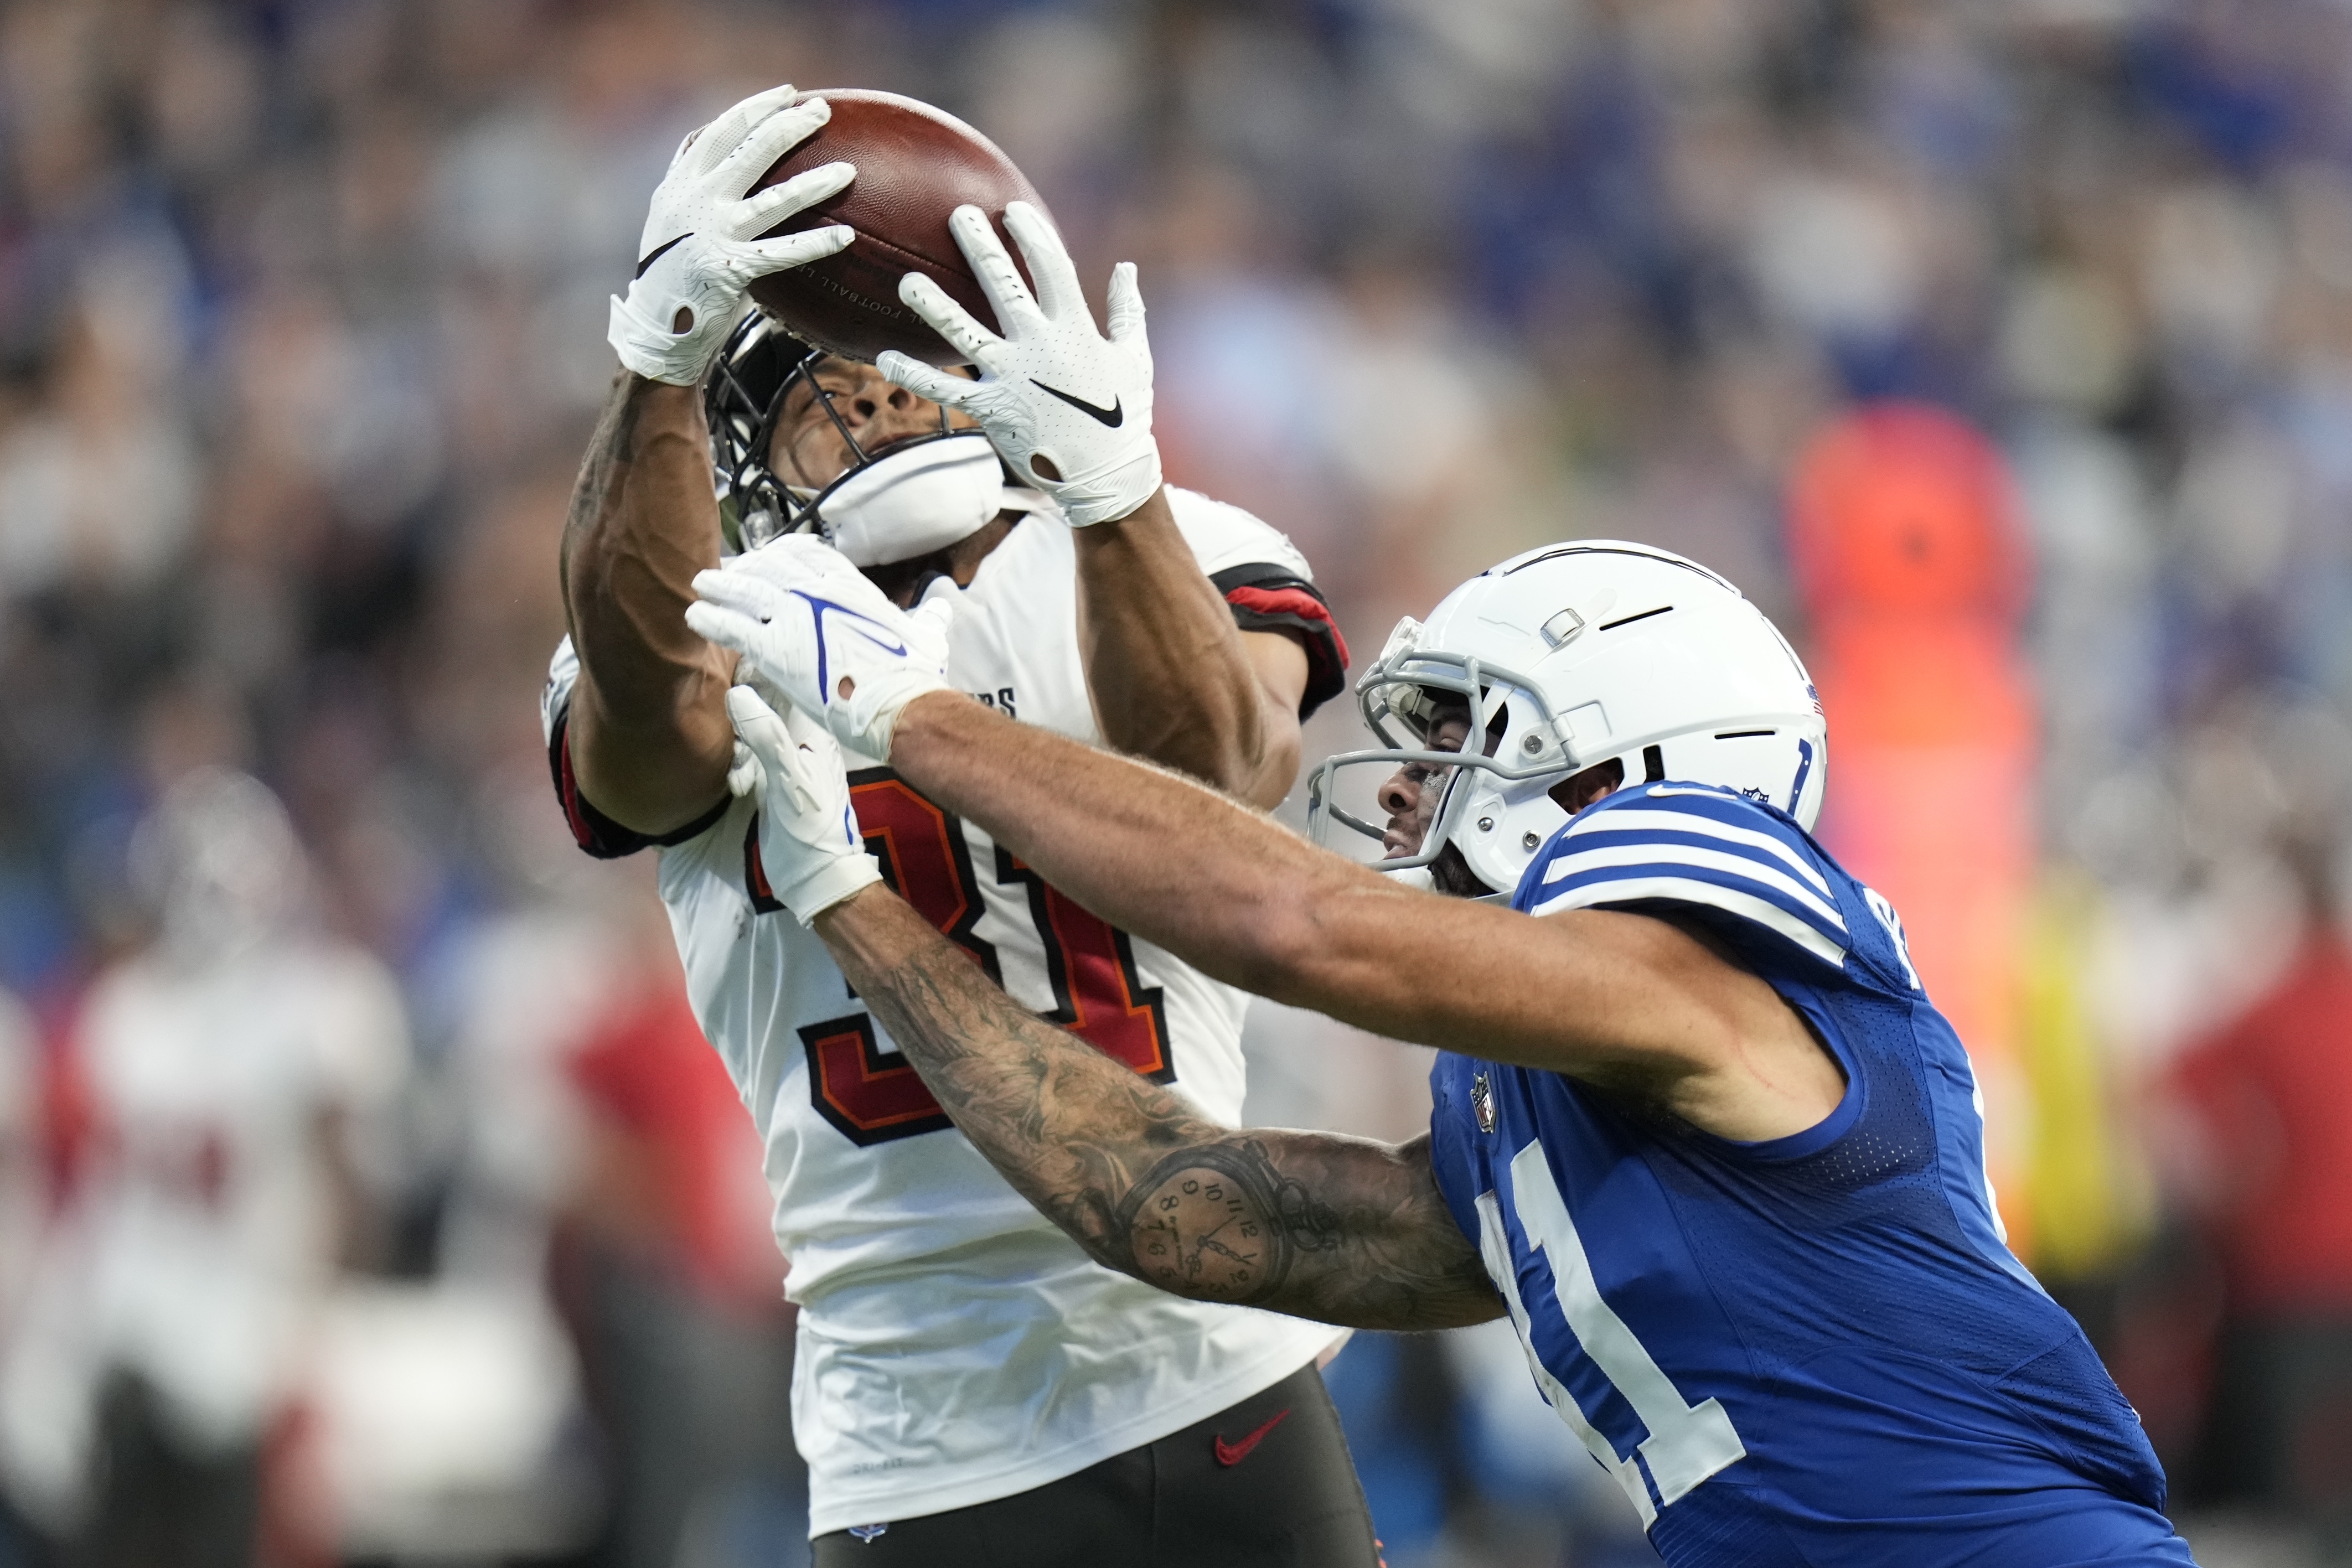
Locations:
(1730, 901)
(1761, 835)
(1663, 885)
(1597, 851)
(1693, 844)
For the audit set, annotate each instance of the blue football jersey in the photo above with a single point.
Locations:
(1816, 1350)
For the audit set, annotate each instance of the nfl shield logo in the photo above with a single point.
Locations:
(1482, 1103)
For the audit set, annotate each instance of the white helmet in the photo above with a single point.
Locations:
(1565, 658)
(219, 863)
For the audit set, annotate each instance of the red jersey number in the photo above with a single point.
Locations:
(1090, 965)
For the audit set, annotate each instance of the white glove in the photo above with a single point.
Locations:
(810, 847)
(812, 627)
(744, 775)
(698, 255)
(1067, 408)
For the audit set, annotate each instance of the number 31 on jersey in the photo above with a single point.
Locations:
(873, 1098)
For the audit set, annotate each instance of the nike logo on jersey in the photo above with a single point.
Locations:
(1231, 1454)
(660, 251)
(1113, 416)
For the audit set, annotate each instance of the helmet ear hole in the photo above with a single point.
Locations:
(1495, 725)
(1578, 790)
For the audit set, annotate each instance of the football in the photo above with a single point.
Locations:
(915, 164)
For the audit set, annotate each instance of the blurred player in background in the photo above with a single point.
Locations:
(969, 1387)
(232, 1069)
(23, 1197)
(1698, 1129)
(2256, 1149)
(666, 1262)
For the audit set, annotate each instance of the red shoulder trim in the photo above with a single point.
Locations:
(1288, 601)
(567, 788)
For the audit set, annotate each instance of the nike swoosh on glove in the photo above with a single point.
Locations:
(810, 847)
(699, 253)
(812, 628)
(1068, 408)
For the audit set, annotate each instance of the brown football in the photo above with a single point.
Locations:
(914, 165)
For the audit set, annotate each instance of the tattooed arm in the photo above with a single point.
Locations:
(649, 737)
(1340, 1229)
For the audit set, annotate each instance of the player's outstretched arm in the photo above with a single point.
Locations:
(1340, 1230)
(1172, 679)
(1617, 999)
(1620, 1001)
(648, 732)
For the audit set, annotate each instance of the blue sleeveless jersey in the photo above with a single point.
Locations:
(1812, 1351)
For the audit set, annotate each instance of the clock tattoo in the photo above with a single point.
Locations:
(1220, 1223)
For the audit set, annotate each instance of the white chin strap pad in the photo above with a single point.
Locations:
(914, 501)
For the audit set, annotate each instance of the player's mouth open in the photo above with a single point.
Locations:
(1402, 838)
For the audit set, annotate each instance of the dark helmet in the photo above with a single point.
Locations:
(742, 398)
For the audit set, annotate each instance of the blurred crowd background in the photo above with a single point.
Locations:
(365, 1194)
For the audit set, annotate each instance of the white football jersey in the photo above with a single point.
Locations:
(955, 1347)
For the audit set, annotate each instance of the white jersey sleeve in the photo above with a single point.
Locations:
(594, 832)
(1223, 536)
(1268, 584)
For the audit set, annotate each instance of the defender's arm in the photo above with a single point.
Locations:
(1335, 1229)
(1621, 1000)
(1174, 679)
(648, 732)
